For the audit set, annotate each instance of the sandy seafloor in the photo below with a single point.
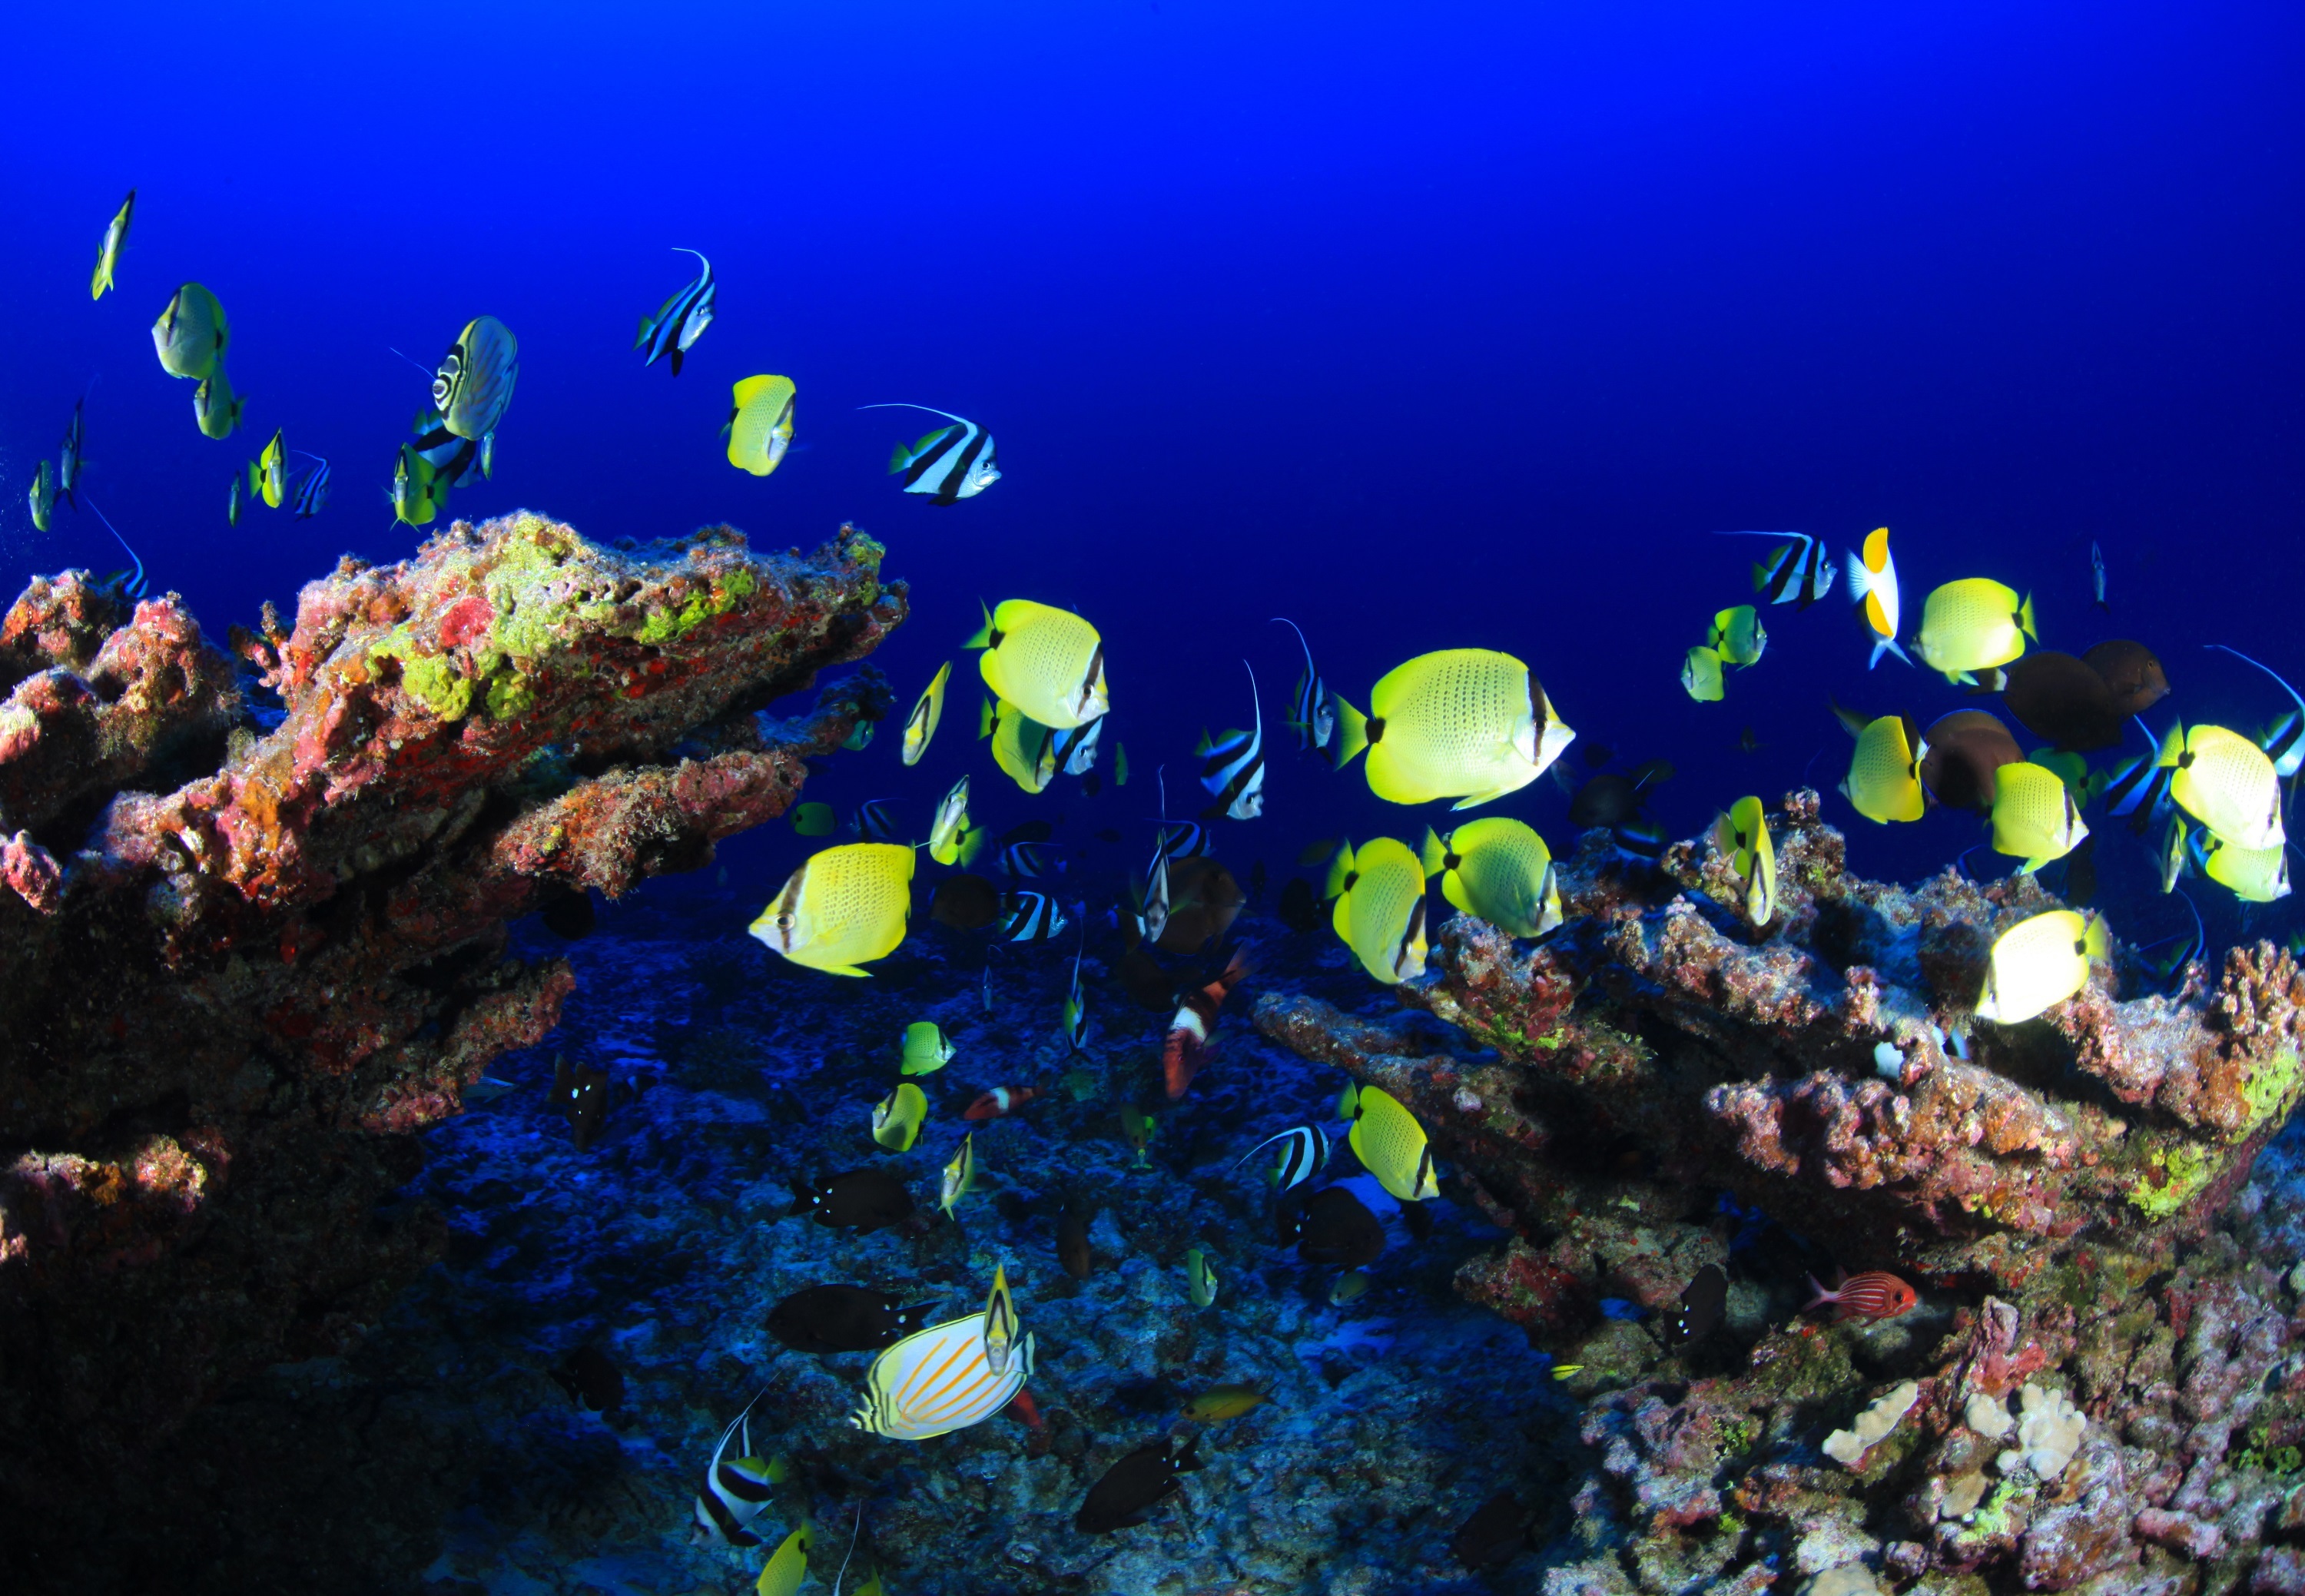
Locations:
(440, 1456)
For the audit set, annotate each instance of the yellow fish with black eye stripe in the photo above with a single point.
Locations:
(2034, 815)
(897, 1118)
(843, 907)
(1047, 662)
(2039, 963)
(1885, 772)
(760, 425)
(1499, 870)
(1700, 675)
(1738, 635)
(2226, 783)
(1389, 1142)
(1380, 907)
(2252, 874)
(1742, 835)
(1973, 624)
(1467, 723)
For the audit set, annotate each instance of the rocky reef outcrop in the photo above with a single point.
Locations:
(2096, 1390)
(254, 923)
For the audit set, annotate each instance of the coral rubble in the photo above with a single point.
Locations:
(1663, 1086)
(254, 923)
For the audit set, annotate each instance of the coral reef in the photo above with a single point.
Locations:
(254, 925)
(1663, 1086)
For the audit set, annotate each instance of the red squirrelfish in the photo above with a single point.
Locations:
(1001, 1101)
(1875, 1294)
(1188, 1032)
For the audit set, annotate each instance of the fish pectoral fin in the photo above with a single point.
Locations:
(1478, 799)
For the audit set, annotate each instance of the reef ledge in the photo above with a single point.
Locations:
(254, 912)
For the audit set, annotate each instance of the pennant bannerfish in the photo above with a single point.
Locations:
(1304, 1154)
(312, 492)
(947, 465)
(1310, 716)
(70, 458)
(1075, 1014)
(1232, 771)
(1797, 572)
(680, 320)
(1030, 917)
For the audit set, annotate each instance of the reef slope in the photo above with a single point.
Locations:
(253, 925)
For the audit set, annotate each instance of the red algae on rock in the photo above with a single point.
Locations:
(241, 957)
(1660, 1087)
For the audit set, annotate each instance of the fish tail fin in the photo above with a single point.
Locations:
(2025, 618)
(1853, 565)
(1822, 1297)
(1188, 1459)
(1887, 645)
(1340, 871)
(982, 636)
(647, 326)
(972, 843)
(1352, 732)
(899, 457)
(2172, 745)
(1760, 576)
(1434, 856)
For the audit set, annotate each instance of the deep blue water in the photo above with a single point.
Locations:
(1426, 328)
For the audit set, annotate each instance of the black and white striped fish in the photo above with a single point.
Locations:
(1800, 572)
(874, 820)
(1075, 747)
(1304, 1154)
(949, 464)
(68, 463)
(1154, 915)
(1233, 770)
(312, 493)
(133, 584)
(1312, 715)
(1184, 839)
(736, 1488)
(1031, 860)
(1030, 917)
(681, 319)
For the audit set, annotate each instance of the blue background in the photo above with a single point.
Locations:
(1425, 326)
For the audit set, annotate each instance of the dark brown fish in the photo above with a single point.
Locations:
(1092, 784)
(1702, 1303)
(1498, 1529)
(860, 1199)
(591, 1379)
(1333, 1226)
(1107, 835)
(2080, 873)
(844, 1319)
(582, 1097)
(2061, 700)
(1144, 980)
(569, 914)
(1027, 830)
(1318, 853)
(1073, 1249)
(1418, 1220)
(1965, 749)
(965, 903)
(1204, 901)
(1135, 1485)
(2132, 675)
(1605, 800)
(1300, 907)
(1653, 773)
(1746, 742)
(1598, 755)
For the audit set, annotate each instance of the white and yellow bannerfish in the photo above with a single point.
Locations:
(1873, 589)
(940, 1379)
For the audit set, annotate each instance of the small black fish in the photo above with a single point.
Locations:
(1135, 1485)
(1701, 1305)
(582, 1097)
(1418, 1220)
(965, 903)
(1145, 981)
(1598, 755)
(844, 1319)
(1606, 799)
(591, 1379)
(1107, 835)
(2080, 873)
(1333, 1226)
(1029, 830)
(1091, 785)
(1498, 1529)
(1300, 907)
(569, 915)
(860, 1199)
(1073, 1249)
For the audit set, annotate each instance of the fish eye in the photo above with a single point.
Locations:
(784, 922)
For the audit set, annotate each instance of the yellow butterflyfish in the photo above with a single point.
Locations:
(1885, 770)
(1467, 723)
(2039, 963)
(897, 1118)
(1390, 1143)
(1048, 662)
(845, 907)
(1743, 835)
(2225, 782)
(759, 426)
(2034, 815)
(1380, 913)
(1499, 870)
(1973, 624)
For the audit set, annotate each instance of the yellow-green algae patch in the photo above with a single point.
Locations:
(2185, 1170)
(2270, 1092)
(665, 625)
